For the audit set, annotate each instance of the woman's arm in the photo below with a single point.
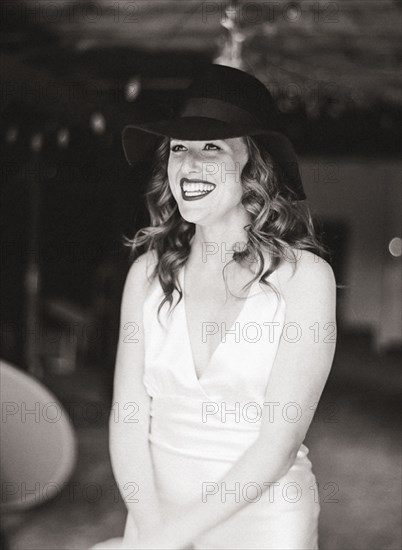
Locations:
(299, 374)
(130, 415)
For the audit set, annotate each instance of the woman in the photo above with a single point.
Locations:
(221, 384)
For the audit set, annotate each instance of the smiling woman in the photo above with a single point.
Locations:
(199, 169)
(210, 473)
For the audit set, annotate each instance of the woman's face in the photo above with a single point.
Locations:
(204, 177)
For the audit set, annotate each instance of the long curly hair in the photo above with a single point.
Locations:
(278, 222)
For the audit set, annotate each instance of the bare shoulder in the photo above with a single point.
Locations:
(128, 377)
(138, 278)
(307, 277)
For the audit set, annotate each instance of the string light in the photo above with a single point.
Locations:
(98, 123)
(12, 135)
(63, 137)
(133, 88)
(36, 142)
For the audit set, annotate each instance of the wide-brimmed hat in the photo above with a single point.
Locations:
(221, 103)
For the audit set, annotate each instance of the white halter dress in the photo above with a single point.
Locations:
(201, 426)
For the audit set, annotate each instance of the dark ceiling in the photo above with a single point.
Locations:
(332, 62)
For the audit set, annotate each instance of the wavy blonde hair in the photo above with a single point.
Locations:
(278, 222)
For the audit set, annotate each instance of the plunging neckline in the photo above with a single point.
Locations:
(186, 328)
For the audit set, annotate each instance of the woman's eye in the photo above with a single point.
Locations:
(174, 148)
(212, 145)
(208, 147)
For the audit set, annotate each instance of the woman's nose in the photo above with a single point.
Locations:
(192, 161)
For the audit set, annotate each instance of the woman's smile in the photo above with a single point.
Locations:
(192, 189)
(197, 169)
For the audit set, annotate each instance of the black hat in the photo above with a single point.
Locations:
(221, 103)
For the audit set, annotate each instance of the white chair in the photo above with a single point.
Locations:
(38, 441)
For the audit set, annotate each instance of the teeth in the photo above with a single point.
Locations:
(195, 193)
(197, 187)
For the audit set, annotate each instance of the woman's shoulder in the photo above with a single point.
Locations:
(139, 276)
(302, 270)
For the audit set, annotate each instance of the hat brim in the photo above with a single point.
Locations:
(139, 142)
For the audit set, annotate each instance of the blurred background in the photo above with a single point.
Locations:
(72, 75)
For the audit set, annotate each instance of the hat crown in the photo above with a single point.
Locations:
(233, 88)
(221, 103)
